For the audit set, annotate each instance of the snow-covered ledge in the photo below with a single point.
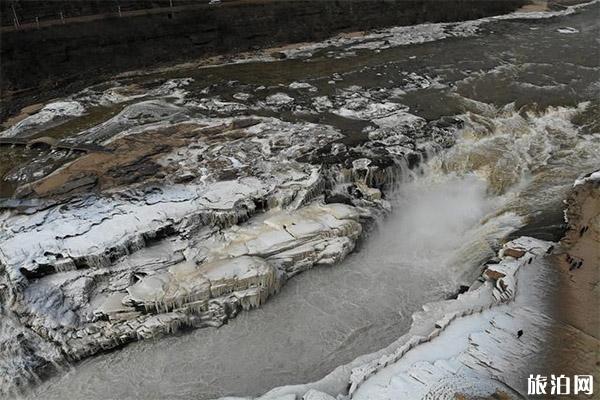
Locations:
(477, 340)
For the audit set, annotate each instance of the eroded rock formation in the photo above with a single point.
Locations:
(183, 221)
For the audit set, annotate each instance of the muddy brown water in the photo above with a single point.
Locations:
(328, 316)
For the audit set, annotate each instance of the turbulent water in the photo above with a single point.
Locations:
(526, 91)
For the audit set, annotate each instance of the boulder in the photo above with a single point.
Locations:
(186, 283)
(515, 253)
(279, 99)
(114, 309)
(493, 275)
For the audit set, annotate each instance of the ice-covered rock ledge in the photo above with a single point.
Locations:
(475, 348)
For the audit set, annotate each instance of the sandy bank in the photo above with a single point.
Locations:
(577, 299)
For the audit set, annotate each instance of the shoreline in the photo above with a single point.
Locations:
(583, 216)
(578, 295)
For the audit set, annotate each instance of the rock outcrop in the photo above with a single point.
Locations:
(184, 220)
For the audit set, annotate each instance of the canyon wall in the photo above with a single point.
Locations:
(38, 64)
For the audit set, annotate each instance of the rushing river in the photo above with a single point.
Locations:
(527, 92)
